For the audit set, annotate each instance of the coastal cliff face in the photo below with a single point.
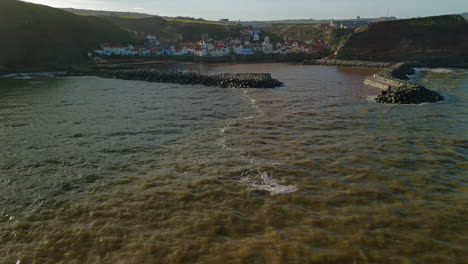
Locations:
(410, 39)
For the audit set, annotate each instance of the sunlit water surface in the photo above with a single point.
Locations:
(108, 171)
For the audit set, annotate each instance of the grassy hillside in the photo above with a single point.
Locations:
(36, 36)
(86, 12)
(307, 21)
(334, 37)
(193, 20)
(172, 29)
(409, 39)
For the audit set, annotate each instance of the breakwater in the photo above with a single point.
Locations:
(349, 63)
(226, 80)
(397, 89)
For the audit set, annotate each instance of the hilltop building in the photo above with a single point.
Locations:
(354, 23)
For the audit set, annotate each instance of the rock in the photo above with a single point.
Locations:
(408, 94)
(402, 91)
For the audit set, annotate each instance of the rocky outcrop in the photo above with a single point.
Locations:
(348, 63)
(226, 80)
(409, 93)
(401, 91)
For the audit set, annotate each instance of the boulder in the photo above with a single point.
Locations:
(408, 93)
(402, 91)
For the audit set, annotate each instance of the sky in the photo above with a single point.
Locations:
(271, 9)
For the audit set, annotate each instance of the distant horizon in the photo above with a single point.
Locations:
(332, 9)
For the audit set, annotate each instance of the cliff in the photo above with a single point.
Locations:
(38, 37)
(410, 39)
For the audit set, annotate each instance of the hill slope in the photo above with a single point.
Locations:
(334, 37)
(440, 36)
(168, 30)
(88, 12)
(36, 36)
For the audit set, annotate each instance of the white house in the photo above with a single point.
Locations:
(267, 48)
(143, 50)
(152, 41)
(206, 45)
(257, 47)
(181, 51)
(116, 50)
(201, 52)
(243, 51)
(220, 51)
(248, 31)
(256, 37)
(235, 41)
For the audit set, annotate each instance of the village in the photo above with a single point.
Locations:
(248, 43)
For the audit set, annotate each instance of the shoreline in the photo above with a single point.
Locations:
(349, 63)
(314, 59)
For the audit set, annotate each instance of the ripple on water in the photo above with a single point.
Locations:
(316, 176)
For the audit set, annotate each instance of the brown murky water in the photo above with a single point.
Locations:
(107, 171)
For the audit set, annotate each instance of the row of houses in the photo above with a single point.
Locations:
(214, 49)
(247, 44)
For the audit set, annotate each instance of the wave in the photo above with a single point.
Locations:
(434, 70)
(31, 75)
(264, 182)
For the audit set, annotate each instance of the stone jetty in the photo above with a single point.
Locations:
(398, 90)
(225, 80)
(349, 63)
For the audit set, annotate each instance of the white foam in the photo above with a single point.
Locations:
(24, 78)
(371, 98)
(264, 182)
(253, 102)
(434, 70)
(223, 144)
(31, 75)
